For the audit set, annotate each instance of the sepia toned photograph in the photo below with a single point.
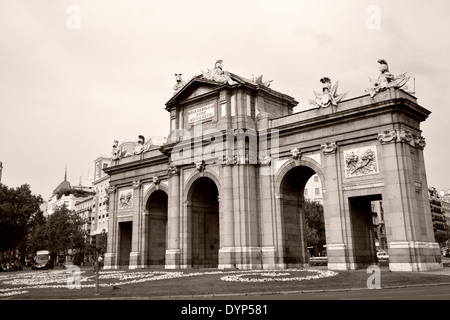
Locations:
(224, 159)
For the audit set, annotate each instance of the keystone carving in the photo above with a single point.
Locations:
(156, 180)
(296, 153)
(200, 165)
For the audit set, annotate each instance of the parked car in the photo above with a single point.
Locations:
(43, 260)
(446, 253)
(382, 255)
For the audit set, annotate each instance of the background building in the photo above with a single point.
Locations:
(379, 225)
(100, 199)
(313, 189)
(437, 215)
(65, 194)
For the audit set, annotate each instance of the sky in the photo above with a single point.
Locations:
(77, 75)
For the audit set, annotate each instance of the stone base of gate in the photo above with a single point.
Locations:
(109, 262)
(337, 257)
(269, 258)
(414, 256)
(245, 258)
(135, 259)
(227, 258)
(173, 258)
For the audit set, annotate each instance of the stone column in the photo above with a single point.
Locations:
(336, 221)
(144, 237)
(173, 252)
(112, 243)
(227, 251)
(248, 250)
(410, 247)
(135, 254)
(267, 214)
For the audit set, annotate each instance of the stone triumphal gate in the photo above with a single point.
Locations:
(226, 189)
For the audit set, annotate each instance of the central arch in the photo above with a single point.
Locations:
(203, 225)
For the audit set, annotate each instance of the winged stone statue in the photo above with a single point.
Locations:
(328, 96)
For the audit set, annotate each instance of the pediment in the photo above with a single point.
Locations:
(194, 88)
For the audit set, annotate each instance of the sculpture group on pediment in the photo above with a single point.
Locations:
(386, 80)
(328, 96)
(218, 74)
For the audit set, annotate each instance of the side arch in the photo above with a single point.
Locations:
(285, 168)
(289, 183)
(152, 189)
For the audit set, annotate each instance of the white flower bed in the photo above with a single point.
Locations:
(23, 282)
(275, 277)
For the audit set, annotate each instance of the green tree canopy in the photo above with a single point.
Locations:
(64, 231)
(315, 223)
(19, 210)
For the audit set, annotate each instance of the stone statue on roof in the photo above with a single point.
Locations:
(115, 153)
(139, 145)
(218, 75)
(386, 80)
(328, 96)
(179, 84)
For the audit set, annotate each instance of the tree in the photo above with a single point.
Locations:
(64, 231)
(315, 224)
(19, 209)
(441, 238)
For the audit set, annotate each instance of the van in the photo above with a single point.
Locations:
(43, 260)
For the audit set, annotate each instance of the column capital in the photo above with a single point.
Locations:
(111, 189)
(173, 170)
(403, 136)
(136, 184)
(328, 148)
(228, 160)
(265, 160)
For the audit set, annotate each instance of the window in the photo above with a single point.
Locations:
(105, 165)
(306, 192)
(316, 178)
(249, 107)
(317, 191)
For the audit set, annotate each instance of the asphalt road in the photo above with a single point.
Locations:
(431, 292)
